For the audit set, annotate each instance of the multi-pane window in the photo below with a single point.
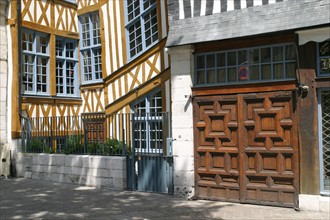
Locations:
(35, 59)
(90, 48)
(324, 58)
(324, 140)
(66, 67)
(276, 62)
(148, 124)
(141, 27)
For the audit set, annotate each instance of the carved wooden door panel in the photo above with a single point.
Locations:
(246, 148)
(216, 147)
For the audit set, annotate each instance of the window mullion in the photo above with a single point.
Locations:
(92, 63)
(35, 60)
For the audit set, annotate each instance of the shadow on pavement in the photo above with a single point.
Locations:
(32, 199)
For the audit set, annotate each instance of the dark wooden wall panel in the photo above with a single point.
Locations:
(308, 135)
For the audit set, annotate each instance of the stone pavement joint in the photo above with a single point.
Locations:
(32, 199)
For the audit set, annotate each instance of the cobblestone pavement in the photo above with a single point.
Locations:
(31, 199)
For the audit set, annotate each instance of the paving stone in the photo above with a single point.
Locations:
(34, 199)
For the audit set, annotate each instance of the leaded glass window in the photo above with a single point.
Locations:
(324, 140)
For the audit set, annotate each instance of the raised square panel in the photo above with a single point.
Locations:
(234, 194)
(267, 123)
(202, 160)
(218, 160)
(288, 165)
(217, 125)
(218, 192)
(269, 162)
(233, 161)
(269, 196)
(282, 182)
(251, 162)
(287, 197)
(229, 179)
(257, 181)
(251, 194)
(202, 190)
(207, 179)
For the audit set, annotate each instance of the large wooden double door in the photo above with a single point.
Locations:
(246, 148)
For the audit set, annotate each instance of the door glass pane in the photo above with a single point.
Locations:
(200, 62)
(210, 60)
(210, 76)
(232, 75)
(201, 77)
(290, 53)
(221, 59)
(231, 59)
(265, 55)
(221, 75)
(266, 72)
(254, 72)
(325, 106)
(242, 57)
(278, 53)
(290, 70)
(278, 71)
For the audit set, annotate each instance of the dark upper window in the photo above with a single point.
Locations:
(323, 63)
(267, 63)
(141, 25)
(90, 48)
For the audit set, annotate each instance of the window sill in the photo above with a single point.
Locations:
(35, 99)
(92, 85)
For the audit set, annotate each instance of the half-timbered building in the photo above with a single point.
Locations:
(213, 99)
(92, 74)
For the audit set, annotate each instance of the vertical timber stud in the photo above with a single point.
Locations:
(15, 7)
(241, 152)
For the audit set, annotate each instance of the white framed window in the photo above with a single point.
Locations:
(66, 67)
(90, 48)
(141, 25)
(323, 58)
(324, 139)
(148, 124)
(35, 57)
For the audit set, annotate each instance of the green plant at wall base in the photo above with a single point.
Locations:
(38, 145)
(73, 144)
(113, 146)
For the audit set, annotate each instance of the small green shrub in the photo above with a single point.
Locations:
(73, 144)
(38, 145)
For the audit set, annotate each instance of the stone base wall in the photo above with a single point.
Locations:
(98, 171)
(314, 203)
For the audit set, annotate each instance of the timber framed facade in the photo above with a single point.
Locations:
(216, 90)
(75, 58)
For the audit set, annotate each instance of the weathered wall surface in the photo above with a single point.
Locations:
(4, 147)
(98, 171)
(182, 120)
